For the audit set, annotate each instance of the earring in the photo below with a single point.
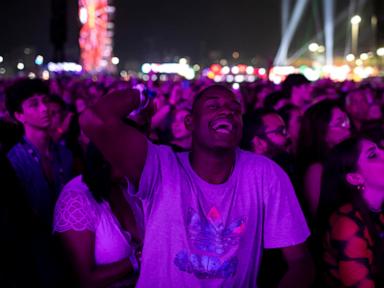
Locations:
(360, 187)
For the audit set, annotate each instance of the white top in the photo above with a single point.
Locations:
(77, 210)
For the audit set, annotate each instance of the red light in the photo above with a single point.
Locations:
(216, 68)
(242, 68)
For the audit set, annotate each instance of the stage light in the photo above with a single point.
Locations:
(359, 62)
(31, 75)
(235, 55)
(2, 70)
(1, 59)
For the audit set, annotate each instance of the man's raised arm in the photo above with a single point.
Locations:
(122, 145)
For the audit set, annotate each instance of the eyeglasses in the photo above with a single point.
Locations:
(281, 130)
(341, 124)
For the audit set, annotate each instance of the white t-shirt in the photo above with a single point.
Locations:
(206, 235)
(77, 210)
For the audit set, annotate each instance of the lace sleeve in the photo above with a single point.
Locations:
(74, 211)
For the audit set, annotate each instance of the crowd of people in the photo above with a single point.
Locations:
(121, 183)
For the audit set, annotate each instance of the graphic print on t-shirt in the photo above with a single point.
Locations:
(213, 243)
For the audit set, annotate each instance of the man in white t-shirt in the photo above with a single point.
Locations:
(208, 213)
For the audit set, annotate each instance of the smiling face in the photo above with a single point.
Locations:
(216, 119)
(34, 112)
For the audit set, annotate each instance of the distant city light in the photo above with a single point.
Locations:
(239, 78)
(20, 66)
(64, 66)
(45, 75)
(235, 55)
(364, 56)
(115, 60)
(380, 51)
(146, 68)
(262, 71)
(1, 59)
(230, 78)
(235, 70)
(31, 75)
(236, 86)
(170, 68)
(196, 67)
(223, 62)
(183, 61)
(250, 70)
(2, 70)
(27, 51)
(39, 60)
(350, 57)
(321, 49)
(225, 70)
(355, 20)
(313, 47)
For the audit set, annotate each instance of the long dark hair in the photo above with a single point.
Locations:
(312, 145)
(97, 174)
(336, 191)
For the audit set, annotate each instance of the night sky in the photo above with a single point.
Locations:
(152, 30)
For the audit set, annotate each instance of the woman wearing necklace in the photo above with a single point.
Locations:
(351, 216)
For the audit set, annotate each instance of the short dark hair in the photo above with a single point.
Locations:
(58, 100)
(202, 92)
(22, 90)
(253, 125)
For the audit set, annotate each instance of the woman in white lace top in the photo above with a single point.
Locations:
(98, 224)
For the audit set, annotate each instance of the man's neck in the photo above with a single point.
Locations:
(39, 138)
(213, 167)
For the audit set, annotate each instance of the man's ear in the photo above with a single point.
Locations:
(188, 122)
(354, 179)
(19, 117)
(259, 145)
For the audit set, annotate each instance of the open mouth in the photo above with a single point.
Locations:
(222, 126)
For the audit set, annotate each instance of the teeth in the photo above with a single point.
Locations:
(222, 126)
(224, 131)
